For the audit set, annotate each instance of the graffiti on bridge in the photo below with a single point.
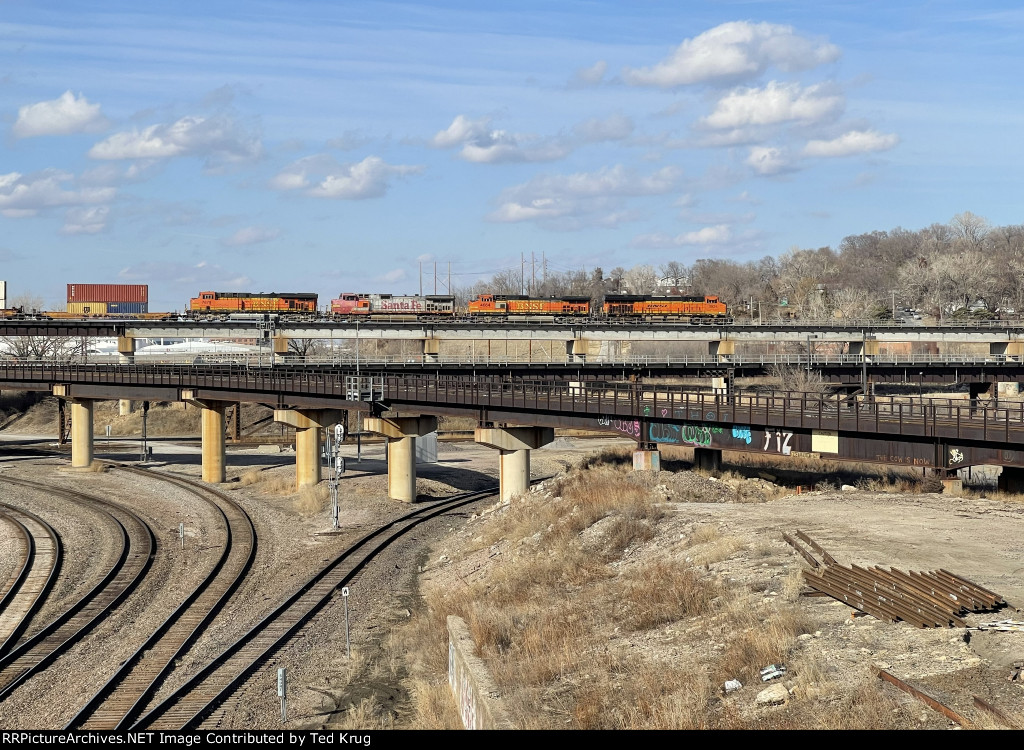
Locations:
(742, 433)
(700, 435)
(629, 427)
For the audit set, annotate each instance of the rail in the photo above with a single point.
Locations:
(256, 360)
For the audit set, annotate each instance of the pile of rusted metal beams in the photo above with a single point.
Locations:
(935, 599)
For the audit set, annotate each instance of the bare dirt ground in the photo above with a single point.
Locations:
(977, 538)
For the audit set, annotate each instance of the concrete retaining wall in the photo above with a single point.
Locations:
(478, 699)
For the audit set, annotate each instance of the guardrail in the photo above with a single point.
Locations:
(265, 359)
(988, 420)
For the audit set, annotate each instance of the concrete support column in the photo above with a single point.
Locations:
(81, 433)
(576, 350)
(125, 407)
(280, 348)
(974, 392)
(723, 350)
(212, 421)
(307, 424)
(865, 348)
(1011, 479)
(722, 387)
(213, 442)
(431, 350)
(401, 433)
(126, 350)
(646, 458)
(1013, 351)
(708, 459)
(514, 445)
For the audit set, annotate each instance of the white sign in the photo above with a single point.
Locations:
(339, 433)
(344, 590)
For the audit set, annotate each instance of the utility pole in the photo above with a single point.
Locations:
(533, 274)
(435, 277)
(522, 272)
(421, 278)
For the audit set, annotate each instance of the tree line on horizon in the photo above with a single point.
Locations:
(964, 268)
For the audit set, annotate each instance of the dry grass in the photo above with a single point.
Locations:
(568, 619)
(313, 500)
(665, 591)
(251, 477)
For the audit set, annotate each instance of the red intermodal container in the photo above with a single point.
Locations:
(108, 293)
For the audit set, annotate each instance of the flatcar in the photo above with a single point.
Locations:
(392, 305)
(216, 303)
(518, 305)
(666, 308)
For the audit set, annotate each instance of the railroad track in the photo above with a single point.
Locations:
(214, 687)
(125, 696)
(137, 543)
(30, 583)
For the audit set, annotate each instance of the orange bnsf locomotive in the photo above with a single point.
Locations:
(664, 308)
(518, 305)
(225, 303)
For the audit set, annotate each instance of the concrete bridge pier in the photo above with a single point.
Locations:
(1011, 479)
(212, 420)
(280, 348)
(974, 392)
(401, 433)
(514, 445)
(576, 350)
(646, 457)
(307, 423)
(81, 428)
(125, 407)
(723, 350)
(707, 459)
(865, 348)
(431, 350)
(126, 350)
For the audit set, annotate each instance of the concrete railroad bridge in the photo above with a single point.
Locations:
(846, 354)
(516, 415)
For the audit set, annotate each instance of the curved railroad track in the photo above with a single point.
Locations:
(33, 579)
(124, 697)
(214, 688)
(35, 652)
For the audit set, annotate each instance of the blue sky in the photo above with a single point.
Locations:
(329, 147)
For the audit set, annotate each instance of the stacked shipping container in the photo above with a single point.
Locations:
(108, 299)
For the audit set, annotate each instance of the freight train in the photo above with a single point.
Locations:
(349, 306)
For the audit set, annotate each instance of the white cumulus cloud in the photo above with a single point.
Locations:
(25, 195)
(483, 144)
(736, 50)
(720, 234)
(851, 143)
(590, 76)
(86, 220)
(768, 160)
(64, 115)
(220, 140)
(584, 198)
(369, 178)
(773, 104)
